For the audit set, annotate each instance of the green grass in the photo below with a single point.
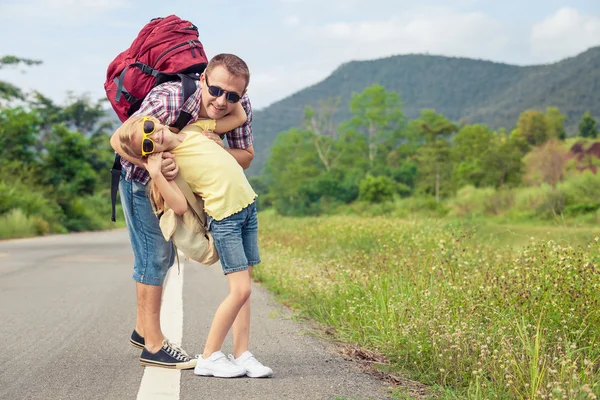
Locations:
(475, 310)
(15, 224)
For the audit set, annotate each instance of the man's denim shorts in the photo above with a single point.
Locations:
(236, 239)
(153, 256)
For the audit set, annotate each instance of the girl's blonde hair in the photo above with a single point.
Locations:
(126, 132)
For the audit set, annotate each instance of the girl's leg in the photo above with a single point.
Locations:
(241, 326)
(239, 292)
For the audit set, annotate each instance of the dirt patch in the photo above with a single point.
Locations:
(371, 362)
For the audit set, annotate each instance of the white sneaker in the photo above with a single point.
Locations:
(254, 368)
(218, 365)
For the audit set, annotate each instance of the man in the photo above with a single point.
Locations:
(153, 256)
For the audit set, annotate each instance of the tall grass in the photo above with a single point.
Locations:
(447, 307)
(15, 224)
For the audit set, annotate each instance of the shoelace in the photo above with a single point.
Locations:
(179, 349)
(175, 351)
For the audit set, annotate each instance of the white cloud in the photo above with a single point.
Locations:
(60, 12)
(435, 30)
(565, 33)
(291, 21)
(76, 39)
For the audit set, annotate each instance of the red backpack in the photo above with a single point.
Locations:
(166, 49)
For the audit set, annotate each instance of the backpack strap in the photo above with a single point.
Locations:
(191, 199)
(114, 184)
(189, 88)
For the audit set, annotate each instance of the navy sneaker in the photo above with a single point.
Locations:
(137, 340)
(169, 356)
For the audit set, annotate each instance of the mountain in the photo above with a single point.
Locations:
(460, 88)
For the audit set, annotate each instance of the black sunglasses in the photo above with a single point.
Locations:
(216, 91)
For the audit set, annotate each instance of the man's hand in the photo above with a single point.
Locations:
(153, 164)
(215, 137)
(169, 168)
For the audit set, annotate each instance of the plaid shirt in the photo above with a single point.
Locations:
(164, 103)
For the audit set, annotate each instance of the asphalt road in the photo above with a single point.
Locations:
(67, 308)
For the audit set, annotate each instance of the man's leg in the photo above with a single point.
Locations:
(148, 315)
(153, 256)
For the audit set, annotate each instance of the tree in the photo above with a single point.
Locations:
(433, 158)
(470, 148)
(66, 165)
(504, 162)
(532, 126)
(587, 126)
(292, 164)
(377, 113)
(555, 123)
(7, 90)
(320, 122)
(18, 135)
(546, 163)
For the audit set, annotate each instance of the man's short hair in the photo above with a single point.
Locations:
(232, 63)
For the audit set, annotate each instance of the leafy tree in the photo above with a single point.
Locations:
(470, 150)
(65, 164)
(587, 126)
(7, 90)
(433, 158)
(79, 114)
(85, 116)
(320, 121)
(18, 135)
(504, 163)
(377, 113)
(532, 126)
(352, 152)
(555, 123)
(293, 163)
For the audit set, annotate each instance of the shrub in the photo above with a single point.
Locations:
(32, 201)
(543, 201)
(470, 201)
(581, 193)
(376, 189)
(16, 224)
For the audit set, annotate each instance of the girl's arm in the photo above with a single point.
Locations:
(173, 196)
(232, 120)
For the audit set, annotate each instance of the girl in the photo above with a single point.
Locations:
(229, 201)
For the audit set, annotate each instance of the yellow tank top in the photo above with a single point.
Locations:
(212, 173)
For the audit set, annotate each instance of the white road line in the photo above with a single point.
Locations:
(162, 383)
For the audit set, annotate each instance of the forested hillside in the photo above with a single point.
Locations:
(472, 90)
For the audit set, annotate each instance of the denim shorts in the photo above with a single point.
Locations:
(236, 239)
(153, 256)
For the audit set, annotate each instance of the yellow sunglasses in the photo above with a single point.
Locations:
(148, 128)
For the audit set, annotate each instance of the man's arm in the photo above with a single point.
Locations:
(244, 157)
(240, 140)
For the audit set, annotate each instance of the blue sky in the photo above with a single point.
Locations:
(288, 44)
